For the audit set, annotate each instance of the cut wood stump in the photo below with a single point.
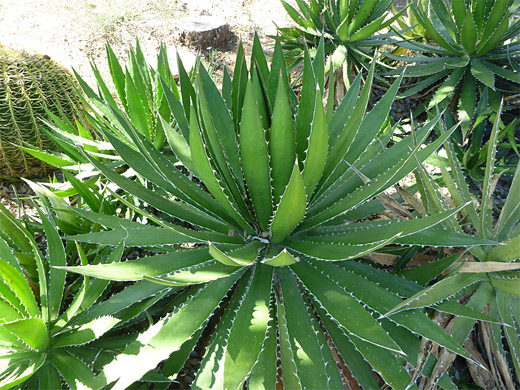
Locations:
(203, 32)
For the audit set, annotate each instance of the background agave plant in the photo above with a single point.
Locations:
(256, 235)
(51, 326)
(475, 46)
(351, 29)
(490, 275)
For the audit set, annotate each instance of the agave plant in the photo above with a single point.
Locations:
(256, 233)
(52, 327)
(491, 273)
(352, 30)
(475, 46)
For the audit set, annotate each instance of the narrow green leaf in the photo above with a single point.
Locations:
(222, 122)
(16, 290)
(56, 257)
(281, 143)
(304, 337)
(336, 251)
(207, 174)
(482, 73)
(427, 272)
(167, 335)
(255, 160)
(306, 106)
(291, 209)
(149, 266)
(468, 34)
(179, 145)
(438, 292)
(290, 376)
(343, 308)
(249, 329)
(316, 153)
(136, 109)
(85, 333)
(74, 371)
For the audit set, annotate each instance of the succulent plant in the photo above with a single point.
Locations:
(31, 85)
(489, 274)
(257, 223)
(351, 31)
(53, 329)
(475, 45)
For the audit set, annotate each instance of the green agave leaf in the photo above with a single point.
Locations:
(291, 209)
(48, 377)
(179, 145)
(149, 236)
(379, 299)
(263, 373)
(290, 377)
(316, 153)
(162, 173)
(309, 349)
(281, 259)
(506, 252)
(496, 26)
(439, 237)
(344, 141)
(249, 328)
(239, 257)
(85, 333)
(136, 108)
(467, 103)
(510, 213)
(204, 273)
(149, 266)
(452, 306)
(427, 272)
(482, 73)
(424, 21)
(18, 367)
(179, 210)
(509, 308)
(211, 373)
(335, 251)
(281, 143)
(369, 232)
(468, 34)
(337, 304)
(438, 292)
(239, 337)
(73, 370)
(32, 331)
(255, 160)
(167, 335)
(56, 258)
(486, 224)
(510, 285)
(306, 107)
(357, 353)
(15, 289)
(208, 175)
(222, 122)
(118, 303)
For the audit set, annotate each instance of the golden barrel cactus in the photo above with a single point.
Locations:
(30, 84)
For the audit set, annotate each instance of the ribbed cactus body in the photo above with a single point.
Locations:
(30, 84)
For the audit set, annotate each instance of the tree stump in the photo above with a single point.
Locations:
(203, 32)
